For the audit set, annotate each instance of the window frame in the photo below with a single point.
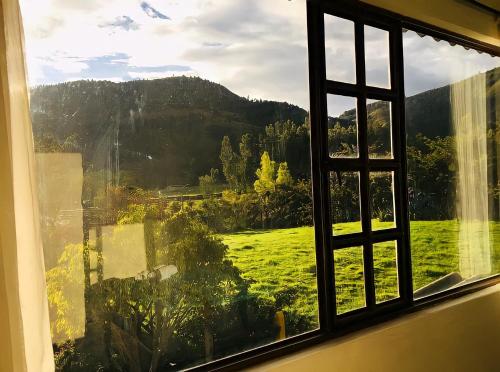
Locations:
(332, 326)
(364, 164)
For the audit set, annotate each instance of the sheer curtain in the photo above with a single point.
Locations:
(25, 343)
(468, 107)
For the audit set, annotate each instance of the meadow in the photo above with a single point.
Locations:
(278, 259)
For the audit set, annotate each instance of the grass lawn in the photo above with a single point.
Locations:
(284, 258)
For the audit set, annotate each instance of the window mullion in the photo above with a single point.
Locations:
(401, 177)
(319, 146)
(364, 173)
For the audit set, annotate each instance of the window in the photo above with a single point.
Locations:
(172, 145)
(452, 151)
(363, 161)
(195, 209)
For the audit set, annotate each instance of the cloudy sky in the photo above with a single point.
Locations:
(256, 48)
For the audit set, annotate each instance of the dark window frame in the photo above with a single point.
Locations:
(331, 325)
(364, 164)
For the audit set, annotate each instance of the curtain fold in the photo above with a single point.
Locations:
(25, 342)
(468, 106)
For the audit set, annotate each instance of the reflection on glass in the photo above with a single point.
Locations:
(385, 267)
(379, 129)
(452, 147)
(342, 127)
(349, 279)
(382, 200)
(176, 220)
(345, 207)
(339, 49)
(377, 57)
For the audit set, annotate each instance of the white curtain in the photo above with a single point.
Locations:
(25, 343)
(468, 102)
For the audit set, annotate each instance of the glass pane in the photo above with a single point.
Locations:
(345, 208)
(453, 173)
(379, 129)
(385, 266)
(176, 221)
(377, 57)
(349, 279)
(342, 126)
(339, 49)
(382, 200)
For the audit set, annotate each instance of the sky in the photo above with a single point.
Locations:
(256, 48)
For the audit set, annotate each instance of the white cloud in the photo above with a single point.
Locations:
(254, 38)
(431, 64)
(256, 48)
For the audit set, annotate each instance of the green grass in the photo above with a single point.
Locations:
(278, 259)
(282, 258)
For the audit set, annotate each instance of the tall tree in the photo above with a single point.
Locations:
(228, 158)
(284, 178)
(246, 155)
(265, 175)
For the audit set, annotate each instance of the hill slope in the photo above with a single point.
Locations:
(168, 130)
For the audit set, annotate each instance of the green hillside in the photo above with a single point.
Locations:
(169, 130)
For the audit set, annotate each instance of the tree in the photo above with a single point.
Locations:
(284, 177)
(265, 182)
(228, 157)
(246, 155)
(208, 182)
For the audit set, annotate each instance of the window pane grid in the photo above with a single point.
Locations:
(382, 158)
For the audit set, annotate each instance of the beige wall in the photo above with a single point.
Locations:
(459, 335)
(452, 15)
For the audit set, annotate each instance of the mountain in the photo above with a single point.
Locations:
(165, 131)
(427, 113)
(154, 133)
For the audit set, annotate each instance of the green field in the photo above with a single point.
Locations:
(283, 258)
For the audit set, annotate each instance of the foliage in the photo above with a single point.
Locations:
(290, 206)
(229, 163)
(208, 182)
(146, 321)
(382, 196)
(345, 202)
(64, 282)
(69, 358)
(265, 182)
(288, 141)
(342, 138)
(432, 178)
(236, 167)
(248, 154)
(284, 178)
